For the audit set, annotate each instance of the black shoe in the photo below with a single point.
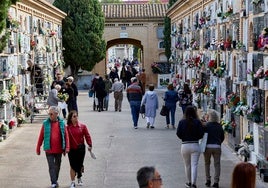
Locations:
(188, 185)
(215, 185)
(208, 183)
(193, 186)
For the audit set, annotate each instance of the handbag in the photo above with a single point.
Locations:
(142, 111)
(90, 93)
(164, 111)
(203, 142)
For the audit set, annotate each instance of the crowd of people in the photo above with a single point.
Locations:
(58, 139)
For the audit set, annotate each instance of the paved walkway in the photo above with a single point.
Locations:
(120, 150)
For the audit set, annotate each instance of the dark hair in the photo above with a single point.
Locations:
(244, 175)
(151, 87)
(190, 114)
(170, 87)
(186, 89)
(145, 174)
(69, 117)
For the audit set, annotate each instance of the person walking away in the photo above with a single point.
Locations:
(142, 78)
(107, 87)
(134, 96)
(213, 147)
(113, 74)
(70, 80)
(63, 105)
(123, 76)
(71, 100)
(128, 75)
(149, 177)
(56, 142)
(117, 88)
(53, 99)
(36, 75)
(190, 130)
(78, 134)
(100, 93)
(185, 97)
(171, 98)
(150, 100)
(244, 176)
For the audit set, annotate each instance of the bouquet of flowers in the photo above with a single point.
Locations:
(4, 96)
(248, 139)
(63, 96)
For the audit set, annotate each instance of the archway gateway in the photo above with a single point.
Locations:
(138, 24)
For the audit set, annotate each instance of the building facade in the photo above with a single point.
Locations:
(220, 45)
(35, 33)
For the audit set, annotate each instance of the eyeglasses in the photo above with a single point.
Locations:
(50, 114)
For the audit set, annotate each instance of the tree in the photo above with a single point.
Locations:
(82, 31)
(167, 32)
(4, 34)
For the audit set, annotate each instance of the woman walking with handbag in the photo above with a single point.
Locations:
(171, 98)
(190, 130)
(150, 100)
(78, 133)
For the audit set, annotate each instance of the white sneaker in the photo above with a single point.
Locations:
(72, 185)
(80, 183)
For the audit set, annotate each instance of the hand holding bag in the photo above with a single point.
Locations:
(142, 111)
(164, 111)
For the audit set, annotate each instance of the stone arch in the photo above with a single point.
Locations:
(134, 42)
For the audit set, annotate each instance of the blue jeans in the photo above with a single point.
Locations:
(135, 111)
(54, 162)
(171, 112)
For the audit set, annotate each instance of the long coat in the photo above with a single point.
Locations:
(150, 100)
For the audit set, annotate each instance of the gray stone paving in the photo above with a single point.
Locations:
(120, 152)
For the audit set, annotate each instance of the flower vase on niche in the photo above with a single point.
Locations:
(265, 84)
(261, 83)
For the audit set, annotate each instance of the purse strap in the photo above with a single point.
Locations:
(73, 136)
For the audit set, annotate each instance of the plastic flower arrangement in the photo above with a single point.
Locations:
(249, 139)
(13, 90)
(199, 86)
(250, 72)
(259, 73)
(156, 68)
(233, 99)
(4, 96)
(226, 125)
(220, 70)
(266, 75)
(212, 65)
(202, 21)
(63, 96)
(254, 113)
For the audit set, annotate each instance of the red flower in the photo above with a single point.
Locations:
(212, 64)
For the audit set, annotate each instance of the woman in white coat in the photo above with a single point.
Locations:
(150, 100)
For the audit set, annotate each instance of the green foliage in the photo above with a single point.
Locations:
(167, 39)
(82, 31)
(4, 34)
(111, 1)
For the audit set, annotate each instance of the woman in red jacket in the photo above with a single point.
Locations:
(78, 133)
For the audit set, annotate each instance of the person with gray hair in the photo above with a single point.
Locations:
(118, 88)
(53, 99)
(149, 177)
(213, 147)
(56, 142)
